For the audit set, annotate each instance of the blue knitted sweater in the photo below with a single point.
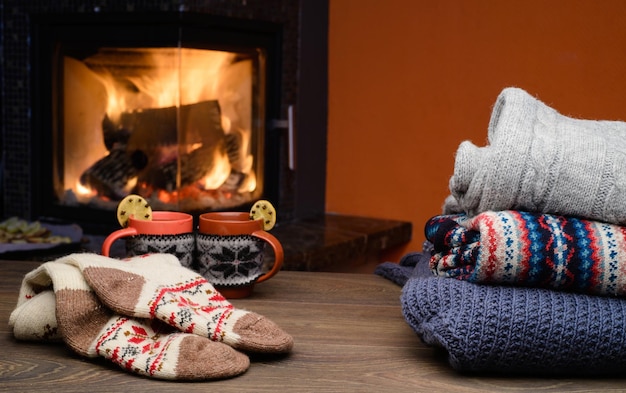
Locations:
(491, 328)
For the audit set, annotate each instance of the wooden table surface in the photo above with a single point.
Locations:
(349, 334)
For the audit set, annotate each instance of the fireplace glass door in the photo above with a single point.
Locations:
(181, 126)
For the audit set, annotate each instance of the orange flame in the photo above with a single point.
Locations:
(162, 77)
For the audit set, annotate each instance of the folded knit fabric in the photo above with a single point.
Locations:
(516, 330)
(539, 160)
(399, 272)
(530, 249)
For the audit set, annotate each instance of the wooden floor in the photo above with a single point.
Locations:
(349, 334)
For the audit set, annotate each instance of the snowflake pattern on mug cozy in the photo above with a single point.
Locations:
(182, 246)
(230, 260)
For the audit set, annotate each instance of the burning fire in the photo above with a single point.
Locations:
(171, 124)
(173, 80)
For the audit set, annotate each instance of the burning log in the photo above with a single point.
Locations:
(111, 175)
(193, 167)
(164, 148)
(151, 129)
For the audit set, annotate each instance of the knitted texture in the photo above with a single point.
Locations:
(507, 329)
(35, 319)
(158, 287)
(539, 160)
(146, 347)
(229, 261)
(182, 246)
(531, 249)
(398, 272)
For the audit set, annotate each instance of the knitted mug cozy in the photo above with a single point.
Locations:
(229, 261)
(181, 246)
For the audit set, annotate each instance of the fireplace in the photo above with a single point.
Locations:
(196, 108)
(167, 108)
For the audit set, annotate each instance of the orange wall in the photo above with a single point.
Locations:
(410, 79)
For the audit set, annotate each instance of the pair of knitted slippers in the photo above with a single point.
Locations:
(148, 314)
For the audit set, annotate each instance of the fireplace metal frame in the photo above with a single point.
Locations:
(125, 30)
(298, 31)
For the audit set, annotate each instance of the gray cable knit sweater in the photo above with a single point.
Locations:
(539, 160)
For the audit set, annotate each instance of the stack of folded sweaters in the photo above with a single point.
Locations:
(525, 270)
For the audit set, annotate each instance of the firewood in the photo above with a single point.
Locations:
(110, 175)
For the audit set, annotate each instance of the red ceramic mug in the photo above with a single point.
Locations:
(167, 232)
(230, 252)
